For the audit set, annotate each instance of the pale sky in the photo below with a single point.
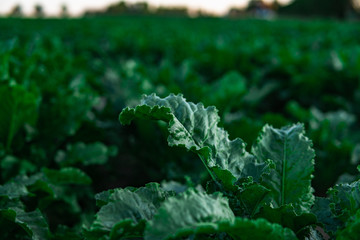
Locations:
(76, 7)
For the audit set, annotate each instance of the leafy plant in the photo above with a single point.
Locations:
(264, 194)
(62, 83)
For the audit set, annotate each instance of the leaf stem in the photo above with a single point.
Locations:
(208, 169)
(283, 174)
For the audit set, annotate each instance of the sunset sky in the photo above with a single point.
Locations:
(75, 7)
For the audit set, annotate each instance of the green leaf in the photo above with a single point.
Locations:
(291, 152)
(32, 222)
(238, 229)
(194, 127)
(331, 126)
(259, 229)
(152, 192)
(199, 213)
(345, 199)
(13, 190)
(128, 208)
(18, 106)
(127, 229)
(86, 154)
(116, 212)
(67, 176)
(179, 216)
(325, 216)
(287, 217)
(252, 197)
(301, 114)
(226, 90)
(352, 229)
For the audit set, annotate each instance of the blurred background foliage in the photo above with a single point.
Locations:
(338, 9)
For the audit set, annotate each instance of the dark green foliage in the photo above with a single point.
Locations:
(64, 82)
(280, 188)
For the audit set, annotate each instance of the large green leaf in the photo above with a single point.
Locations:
(32, 222)
(291, 152)
(180, 216)
(199, 213)
(251, 198)
(345, 199)
(287, 217)
(352, 229)
(195, 127)
(325, 216)
(259, 229)
(126, 210)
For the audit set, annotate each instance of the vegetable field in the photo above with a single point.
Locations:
(171, 128)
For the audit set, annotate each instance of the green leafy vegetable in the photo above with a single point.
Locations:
(345, 199)
(198, 213)
(127, 209)
(195, 127)
(325, 216)
(63, 81)
(352, 229)
(180, 216)
(33, 223)
(293, 157)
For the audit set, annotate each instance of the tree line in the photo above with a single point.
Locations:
(340, 9)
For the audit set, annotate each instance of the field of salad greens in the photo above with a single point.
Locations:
(172, 128)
